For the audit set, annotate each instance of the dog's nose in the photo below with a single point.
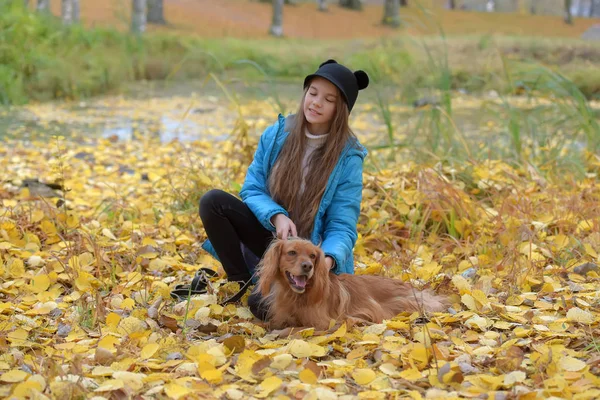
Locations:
(306, 266)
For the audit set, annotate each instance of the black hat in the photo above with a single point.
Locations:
(347, 81)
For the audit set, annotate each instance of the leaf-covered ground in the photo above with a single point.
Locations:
(87, 266)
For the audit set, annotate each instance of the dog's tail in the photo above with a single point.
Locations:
(428, 301)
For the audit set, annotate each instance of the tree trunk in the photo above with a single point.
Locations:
(593, 8)
(490, 6)
(532, 7)
(138, 16)
(391, 13)
(578, 8)
(66, 12)
(156, 13)
(76, 11)
(276, 28)
(451, 4)
(322, 4)
(403, 3)
(351, 4)
(43, 5)
(26, 3)
(568, 16)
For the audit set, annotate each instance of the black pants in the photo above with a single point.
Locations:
(229, 222)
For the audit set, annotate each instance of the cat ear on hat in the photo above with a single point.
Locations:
(330, 61)
(362, 79)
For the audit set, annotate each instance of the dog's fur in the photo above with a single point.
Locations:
(301, 292)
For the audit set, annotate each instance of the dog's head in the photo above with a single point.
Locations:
(294, 263)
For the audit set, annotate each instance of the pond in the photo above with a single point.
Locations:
(202, 111)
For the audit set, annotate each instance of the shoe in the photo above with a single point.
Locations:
(198, 285)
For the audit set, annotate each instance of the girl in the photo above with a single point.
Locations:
(305, 180)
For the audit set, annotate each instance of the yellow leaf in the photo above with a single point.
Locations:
(40, 283)
(112, 320)
(213, 376)
(108, 342)
(106, 232)
(514, 377)
(300, 348)
(363, 376)
(571, 364)
(176, 391)
(131, 325)
(16, 269)
(281, 361)
(480, 297)
(149, 350)
(469, 301)
(18, 336)
(84, 281)
(590, 250)
(268, 386)
(131, 380)
(29, 389)
(48, 227)
(14, 375)
(411, 374)
(419, 355)
(42, 309)
(390, 370)
(128, 304)
(428, 270)
(109, 385)
(308, 376)
(576, 314)
(477, 322)
(461, 284)
(340, 332)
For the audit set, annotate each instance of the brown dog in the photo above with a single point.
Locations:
(301, 292)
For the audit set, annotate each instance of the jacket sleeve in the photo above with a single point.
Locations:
(342, 215)
(254, 191)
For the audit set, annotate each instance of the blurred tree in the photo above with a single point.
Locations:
(352, 4)
(391, 13)
(568, 16)
(290, 2)
(594, 8)
(43, 5)
(403, 3)
(156, 13)
(276, 28)
(26, 3)
(490, 5)
(76, 10)
(138, 16)
(66, 12)
(322, 4)
(451, 4)
(533, 7)
(579, 5)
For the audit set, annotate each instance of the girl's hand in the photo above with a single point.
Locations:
(284, 226)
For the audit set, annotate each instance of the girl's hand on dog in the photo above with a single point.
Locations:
(284, 226)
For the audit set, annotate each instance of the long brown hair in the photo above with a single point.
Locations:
(286, 179)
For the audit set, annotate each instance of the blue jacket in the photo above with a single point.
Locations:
(335, 222)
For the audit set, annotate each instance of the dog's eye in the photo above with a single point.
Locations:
(313, 256)
(291, 253)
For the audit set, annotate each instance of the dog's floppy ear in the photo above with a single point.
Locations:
(321, 274)
(269, 267)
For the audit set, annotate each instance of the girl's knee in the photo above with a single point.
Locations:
(210, 199)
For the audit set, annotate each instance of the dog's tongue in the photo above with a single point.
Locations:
(299, 280)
